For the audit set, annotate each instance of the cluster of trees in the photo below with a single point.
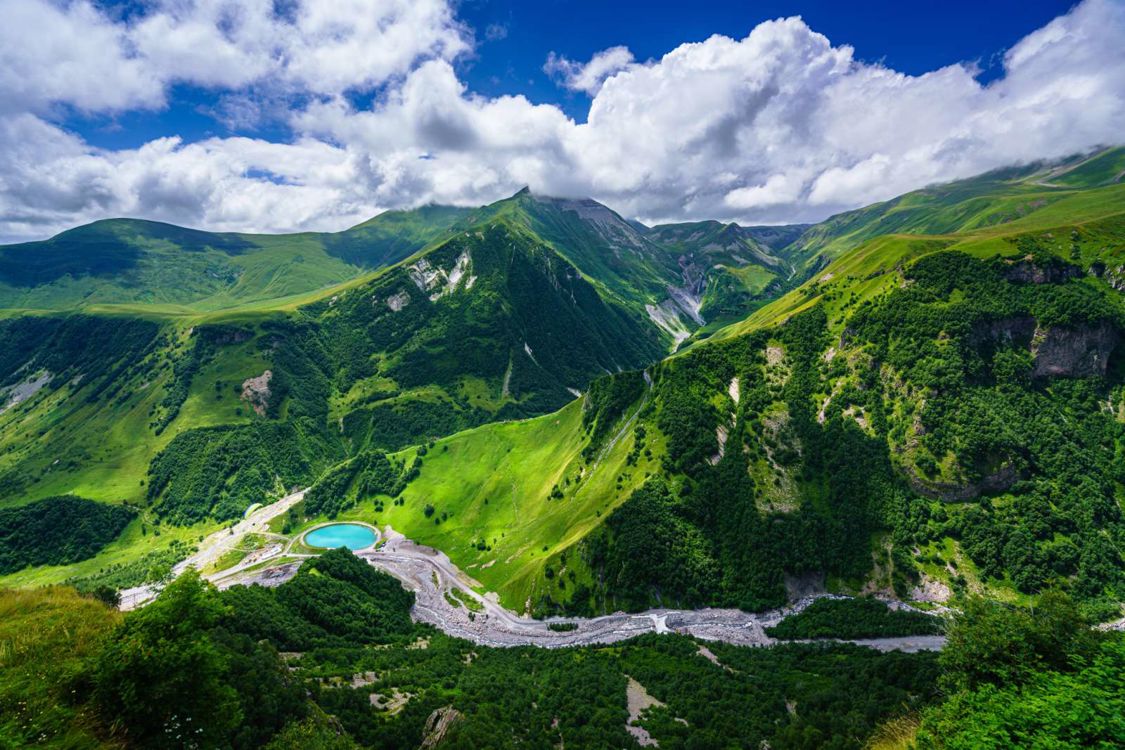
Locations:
(154, 566)
(1031, 677)
(391, 425)
(202, 668)
(218, 472)
(646, 551)
(58, 531)
(104, 349)
(717, 547)
(956, 338)
(606, 401)
(854, 618)
(961, 332)
(368, 474)
(335, 601)
(204, 341)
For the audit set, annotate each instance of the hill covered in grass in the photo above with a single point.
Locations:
(977, 204)
(129, 261)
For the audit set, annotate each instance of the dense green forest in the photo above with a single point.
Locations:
(202, 668)
(332, 657)
(1028, 678)
(975, 402)
(57, 531)
(854, 618)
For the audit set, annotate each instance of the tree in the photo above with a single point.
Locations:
(162, 678)
(997, 644)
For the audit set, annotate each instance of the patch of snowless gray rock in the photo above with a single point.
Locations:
(431, 576)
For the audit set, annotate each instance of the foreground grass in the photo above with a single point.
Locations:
(45, 635)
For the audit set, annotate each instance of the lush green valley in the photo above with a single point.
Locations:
(923, 401)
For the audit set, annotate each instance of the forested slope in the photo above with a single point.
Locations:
(897, 426)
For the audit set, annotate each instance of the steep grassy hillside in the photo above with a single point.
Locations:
(977, 204)
(192, 418)
(681, 276)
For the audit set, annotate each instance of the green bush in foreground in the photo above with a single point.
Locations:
(1034, 677)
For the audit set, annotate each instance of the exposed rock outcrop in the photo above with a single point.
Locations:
(439, 281)
(398, 301)
(1027, 271)
(1017, 330)
(16, 394)
(438, 725)
(256, 392)
(1057, 352)
(949, 492)
(1076, 352)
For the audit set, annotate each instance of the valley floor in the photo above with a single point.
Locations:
(450, 600)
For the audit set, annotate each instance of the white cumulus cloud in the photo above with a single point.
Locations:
(782, 125)
(589, 76)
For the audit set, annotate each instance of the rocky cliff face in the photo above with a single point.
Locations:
(1058, 352)
(1026, 271)
(1078, 352)
(1006, 331)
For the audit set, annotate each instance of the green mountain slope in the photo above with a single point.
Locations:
(681, 276)
(127, 261)
(990, 200)
(894, 417)
(893, 425)
(737, 266)
(198, 417)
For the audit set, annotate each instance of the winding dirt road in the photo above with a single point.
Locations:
(217, 544)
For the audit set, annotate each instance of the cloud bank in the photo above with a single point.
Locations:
(779, 126)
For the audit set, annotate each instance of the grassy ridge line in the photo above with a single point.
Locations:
(871, 268)
(137, 262)
(970, 204)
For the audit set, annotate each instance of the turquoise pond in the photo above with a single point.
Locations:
(350, 535)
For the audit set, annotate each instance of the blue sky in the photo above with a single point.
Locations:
(515, 37)
(260, 115)
(913, 37)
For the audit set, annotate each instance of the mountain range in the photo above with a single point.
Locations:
(922, 399)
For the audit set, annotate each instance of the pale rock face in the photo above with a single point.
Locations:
(438, 725)
(22, 391)
(256, 392)
(398, 301)
(439, 282)
(1057, 352)
(666, 316)
(1078, 352)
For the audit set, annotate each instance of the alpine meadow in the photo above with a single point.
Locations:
(474, 375)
